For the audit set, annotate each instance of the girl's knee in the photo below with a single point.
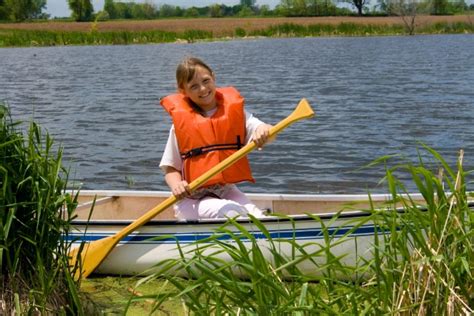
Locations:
(231, 209)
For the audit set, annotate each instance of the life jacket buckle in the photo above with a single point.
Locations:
(195, 152)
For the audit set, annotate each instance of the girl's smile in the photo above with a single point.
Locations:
(202, 89)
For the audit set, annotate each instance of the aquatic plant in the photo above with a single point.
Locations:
(421, 262)
(35, 214)
(72, 34)
(426, 265)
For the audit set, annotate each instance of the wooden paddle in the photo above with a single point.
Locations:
(93, 253)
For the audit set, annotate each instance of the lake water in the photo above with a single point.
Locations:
(373, 96)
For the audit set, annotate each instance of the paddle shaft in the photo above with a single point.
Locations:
(95, 252)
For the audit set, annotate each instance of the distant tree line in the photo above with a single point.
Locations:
(114, 9)
(129, 10)
(82, 10)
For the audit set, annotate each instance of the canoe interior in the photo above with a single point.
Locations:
(129, 205)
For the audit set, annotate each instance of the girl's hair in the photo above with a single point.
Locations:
(187, 68)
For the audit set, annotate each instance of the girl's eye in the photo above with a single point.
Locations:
(194, 87)
(206, 80)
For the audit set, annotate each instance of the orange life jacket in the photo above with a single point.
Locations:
(205, 141)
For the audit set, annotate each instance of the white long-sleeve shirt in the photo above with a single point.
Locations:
(171, 156)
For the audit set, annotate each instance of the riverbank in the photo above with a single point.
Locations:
(112, 295)
(52, 33)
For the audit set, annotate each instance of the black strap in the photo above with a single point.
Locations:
(205, 149)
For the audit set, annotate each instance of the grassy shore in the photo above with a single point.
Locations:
(424, 266)
(52, 33)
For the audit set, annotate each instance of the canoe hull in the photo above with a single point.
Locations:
(311, 224)
(350, 237)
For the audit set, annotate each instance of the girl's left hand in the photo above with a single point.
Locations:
(261, 135)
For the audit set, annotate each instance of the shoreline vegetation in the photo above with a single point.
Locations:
(36, 211)
(424, 266)
(55, 33)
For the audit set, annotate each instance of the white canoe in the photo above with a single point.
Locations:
(157, 240)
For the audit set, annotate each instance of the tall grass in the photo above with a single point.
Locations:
(10, 38)
(354, 29)
(420, 259)
(14, 38)
(427, 263)
(35, 213)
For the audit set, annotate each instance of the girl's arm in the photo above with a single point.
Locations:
(171, 165)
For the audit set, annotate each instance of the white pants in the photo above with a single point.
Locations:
(232, 202)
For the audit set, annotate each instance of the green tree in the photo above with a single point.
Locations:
(81, 9)
(292, 8)
(284, 8)
(3, 11)
(264, 10)
(439, 7)
(359, 5)
(215, 10)
(109, 7)
(246, 11)
(20, 10)
(143, 11)
(167, 10)
(150, 10)
(457, 6)
(300, 8)
(191, 12)
(123, 10)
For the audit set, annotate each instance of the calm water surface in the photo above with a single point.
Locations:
(373, 97)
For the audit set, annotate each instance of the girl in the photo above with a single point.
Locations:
(209, 124)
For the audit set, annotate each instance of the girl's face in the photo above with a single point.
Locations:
(201, 89)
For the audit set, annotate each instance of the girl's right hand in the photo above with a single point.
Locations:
(181, 189)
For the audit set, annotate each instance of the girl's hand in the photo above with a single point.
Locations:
(181, 189)
(261, 135)
(178, 186)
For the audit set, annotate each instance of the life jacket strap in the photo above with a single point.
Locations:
(205, 149)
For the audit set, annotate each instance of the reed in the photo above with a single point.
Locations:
(427, 262)
(35, 214)
(422, 260)
(15, 38)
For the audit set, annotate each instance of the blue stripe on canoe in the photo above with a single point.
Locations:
(182, 238)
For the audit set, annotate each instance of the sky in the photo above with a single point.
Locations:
(60, 8)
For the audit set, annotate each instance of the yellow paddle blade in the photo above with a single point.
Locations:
(303, 110)
(92, 254)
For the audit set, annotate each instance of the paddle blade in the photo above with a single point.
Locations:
(90, 256)
(303, 110)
